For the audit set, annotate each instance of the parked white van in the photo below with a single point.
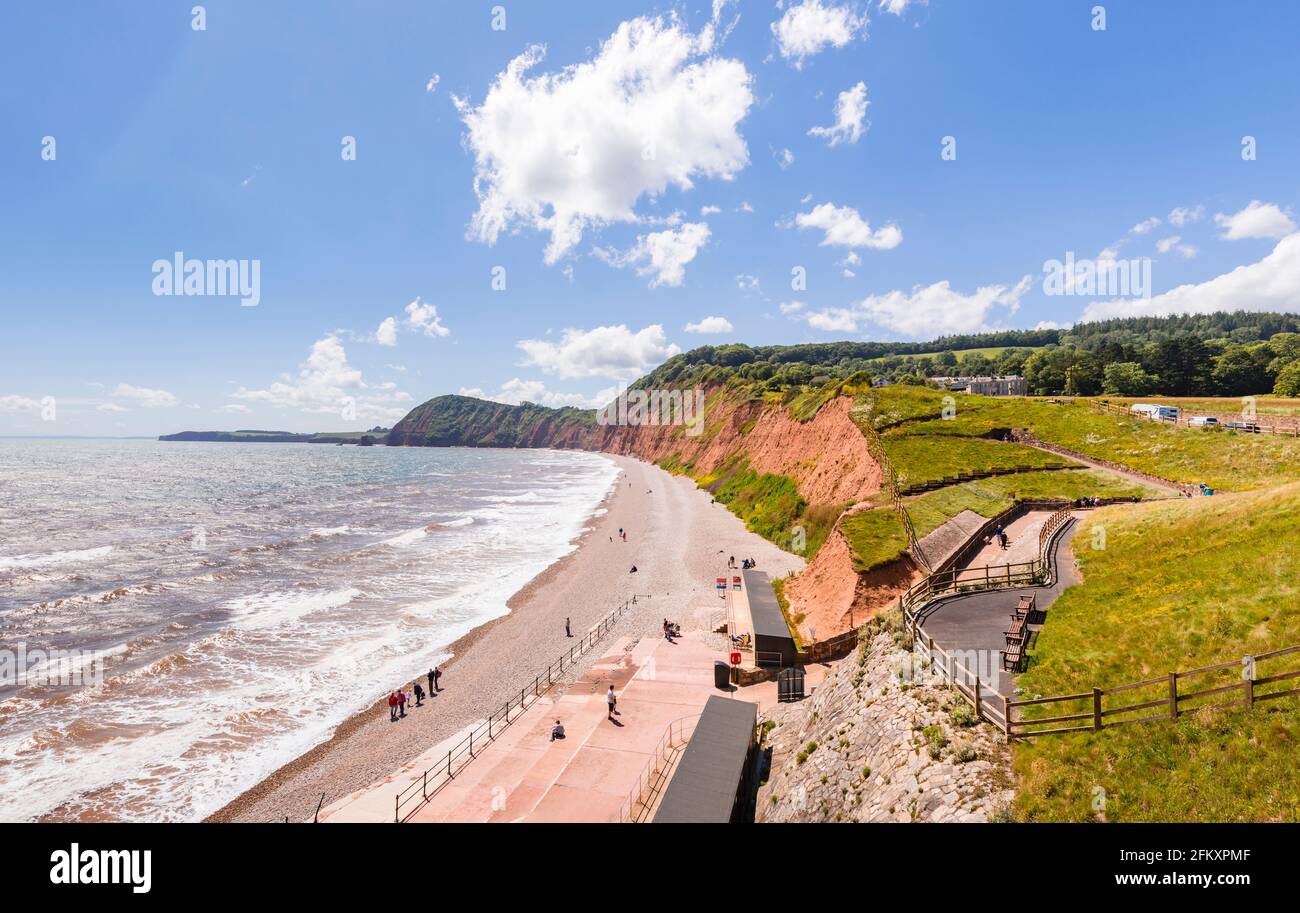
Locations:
(1147, 409)
(1203, 421)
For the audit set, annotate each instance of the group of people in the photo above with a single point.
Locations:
(1087, 502)
(671, 630)
(745, 564)
(1000, 535)
(397, 700)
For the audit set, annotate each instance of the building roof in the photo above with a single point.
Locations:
(704, 786)
(764, 611)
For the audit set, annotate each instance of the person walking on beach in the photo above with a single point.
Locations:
(392, 706)
(567, 632)
(419, 695)
(611, 701)
(437, 679)
(401, 704)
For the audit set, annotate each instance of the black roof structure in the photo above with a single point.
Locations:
(704, 787)
(773, 643)
(764, 610)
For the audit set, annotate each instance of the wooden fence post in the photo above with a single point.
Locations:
(1006, 717)
(1173, 695)
(979, 714)
(1249, 687)
(1096, 709)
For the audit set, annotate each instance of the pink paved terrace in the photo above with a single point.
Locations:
(587, 777)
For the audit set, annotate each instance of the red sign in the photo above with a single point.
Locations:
(735, 659)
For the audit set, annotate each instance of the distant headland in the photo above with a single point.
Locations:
(376, 435)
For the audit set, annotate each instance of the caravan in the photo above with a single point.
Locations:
(1154, 411)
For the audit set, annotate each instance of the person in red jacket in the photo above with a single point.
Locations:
(392, 706)
(401, 703)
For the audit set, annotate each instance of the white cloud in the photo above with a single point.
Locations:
(516, 391)
(386, 333)
(1185, 215)
(706, 211)
(432, 85)
(1270, 284)
(1145, 226)
(15, 404)
(745, 207)
(897, 6)
(143, 396)
(809, 27)
(747, 283)
(327, 383)
(1174, 243)
(424, 317)
(613, 351)
(926, 312)
(1257, 220)
(843, 227)
(850, 109)
(784, 158)
(576, 149)
(111, 407)
(791, 307)
(710, 325)
(663, 255)
(235, 409)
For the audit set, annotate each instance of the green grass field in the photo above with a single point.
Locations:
(1225, 460)
(1179, 585)
(876, 536)
(919, 459)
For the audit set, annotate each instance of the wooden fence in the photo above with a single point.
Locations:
(889, 480)
(1120, 409)
(1235, 683)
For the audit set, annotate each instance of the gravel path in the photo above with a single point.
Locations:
(679, 541)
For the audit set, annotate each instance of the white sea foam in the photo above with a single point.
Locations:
(239, 661)
(55, 558)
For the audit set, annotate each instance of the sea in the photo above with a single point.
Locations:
(178, 620)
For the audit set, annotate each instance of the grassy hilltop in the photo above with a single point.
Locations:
(1179, 585)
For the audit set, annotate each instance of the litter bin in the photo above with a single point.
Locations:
(789, 685)
(721, 675)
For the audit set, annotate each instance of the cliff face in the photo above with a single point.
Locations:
(825, 456)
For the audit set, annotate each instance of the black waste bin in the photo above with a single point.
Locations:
(721, 675)
(789, 685)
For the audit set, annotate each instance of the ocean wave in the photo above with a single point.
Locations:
(267, 610)
(53, 558)
(410, 537)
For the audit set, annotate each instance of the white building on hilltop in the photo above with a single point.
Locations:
(999, 385)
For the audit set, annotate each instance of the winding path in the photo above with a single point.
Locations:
(972, 626)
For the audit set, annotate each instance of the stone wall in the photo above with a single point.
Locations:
(885, 749)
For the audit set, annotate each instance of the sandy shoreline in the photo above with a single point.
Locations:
(679, 542)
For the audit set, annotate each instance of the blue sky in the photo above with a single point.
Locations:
(629, 183)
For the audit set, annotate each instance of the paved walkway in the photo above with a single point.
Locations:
(973, 626)
(588, 776)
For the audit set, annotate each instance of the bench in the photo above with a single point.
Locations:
(1016, 633)
(1013, 656)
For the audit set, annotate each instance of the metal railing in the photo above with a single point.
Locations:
(650, 783)
(414, 796)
